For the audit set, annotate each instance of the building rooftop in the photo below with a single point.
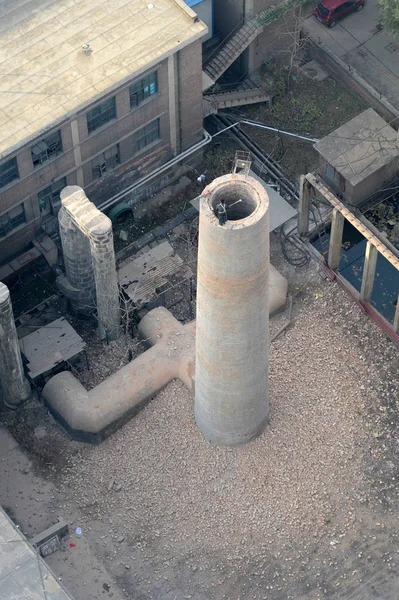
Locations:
(360, 147)
(44, 72)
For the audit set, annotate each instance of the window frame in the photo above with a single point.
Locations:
(54, 149)
(106, 164)
(8, 223)
(100, 119)
(13, 167)
(144, 134)
(140, 91)
(52, 196)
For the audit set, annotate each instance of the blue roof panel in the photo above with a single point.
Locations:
(192, 3)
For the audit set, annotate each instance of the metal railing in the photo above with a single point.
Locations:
(218, 48)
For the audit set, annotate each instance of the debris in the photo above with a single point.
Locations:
(78, 531)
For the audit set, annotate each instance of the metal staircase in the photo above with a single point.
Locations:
(231, 48)
(238, 94)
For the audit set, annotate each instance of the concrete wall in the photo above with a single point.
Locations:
(205, 12)
(355, 194)
(178, 105)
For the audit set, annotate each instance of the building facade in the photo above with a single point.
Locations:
(120, 92)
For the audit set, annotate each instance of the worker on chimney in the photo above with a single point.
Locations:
(221, 212)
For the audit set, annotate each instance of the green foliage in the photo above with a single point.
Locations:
(389, 10)
(274, 12)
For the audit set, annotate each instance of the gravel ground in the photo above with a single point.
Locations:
(304, 511)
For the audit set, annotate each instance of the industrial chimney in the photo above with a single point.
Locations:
(232, 332)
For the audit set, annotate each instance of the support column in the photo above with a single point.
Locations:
(14, 387)
(79, 285)
(370, 263)
(172, 103)
(107, 291)
(337, 228)
(76, 152)
(304, 206)
(396, 318)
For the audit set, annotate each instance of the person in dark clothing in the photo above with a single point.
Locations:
(221, 212)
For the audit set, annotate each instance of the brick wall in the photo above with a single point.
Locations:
(189, 66)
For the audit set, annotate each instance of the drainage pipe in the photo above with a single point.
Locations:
(180, 157)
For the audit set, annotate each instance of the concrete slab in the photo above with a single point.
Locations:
(23, 573)
(336, 39)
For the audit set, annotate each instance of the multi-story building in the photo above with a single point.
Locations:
(245, 36)
(91, 91)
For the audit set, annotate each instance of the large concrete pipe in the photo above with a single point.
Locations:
(92, 415)
(232, 337)
(14, 387)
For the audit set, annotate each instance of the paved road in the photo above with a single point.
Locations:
(359, 42)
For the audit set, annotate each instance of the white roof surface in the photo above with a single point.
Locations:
(44, 72)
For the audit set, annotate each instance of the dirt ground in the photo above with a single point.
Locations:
(306, 511)
(310, 108)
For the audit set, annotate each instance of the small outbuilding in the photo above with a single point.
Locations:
(359, 158)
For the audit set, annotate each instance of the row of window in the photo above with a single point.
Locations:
(51, 146)
(49, 198)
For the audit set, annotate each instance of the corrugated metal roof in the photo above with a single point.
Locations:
(143, 277)
(50, 345)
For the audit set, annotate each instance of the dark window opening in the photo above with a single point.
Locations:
(49, 147)
(143, 89)
(146, 136)
(49, 198)
(101, 114)
(105, 162)
(8, 172)
(12, 219)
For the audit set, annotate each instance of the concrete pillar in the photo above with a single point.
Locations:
(87, 243)
(107, 291)
(337, 228)
(14, 387)
(232, 331)
(77, 153)
(370, 263)
(304, 206)
(172, 103)
(80, 286)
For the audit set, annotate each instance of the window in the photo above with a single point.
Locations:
(143, 89)
(8, 172)
(12, 219)
(146, 136)
(101, 114)
(47, 148)
(49, 198)
(323, 10)
(105, 162)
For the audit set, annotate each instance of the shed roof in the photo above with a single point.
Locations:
(360, 147)
(46, 75)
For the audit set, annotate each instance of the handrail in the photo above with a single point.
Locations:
(223, 42)
(232, 87)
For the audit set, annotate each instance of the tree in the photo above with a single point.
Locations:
(389, 10)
